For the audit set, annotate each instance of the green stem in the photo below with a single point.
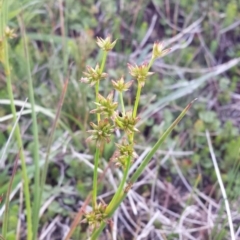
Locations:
(1, 20)
(151, 63)
(137, 100)
(120, 188)
(96, 93)
(122, 103)
(96, 157)
(125, 174)
(135, 108)
(95, 178)
(18, 135)
(103, 60)
(97, 84)
(97, 231)
(36, 202)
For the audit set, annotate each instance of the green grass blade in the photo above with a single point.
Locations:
(7, 72)
(36, 187)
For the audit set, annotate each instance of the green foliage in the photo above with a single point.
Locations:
(231, 12)
(53, 58)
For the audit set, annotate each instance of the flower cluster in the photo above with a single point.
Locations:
(121, 86)
(105, 106)
(159, 51)
(96, 216)
(93, 75)
(106, 44)
(140, 72)
(125, 151)
(127, 122)
(101, 132)
(10, 33)
(108, 120)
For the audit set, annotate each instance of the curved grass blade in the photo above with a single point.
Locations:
(7, 71)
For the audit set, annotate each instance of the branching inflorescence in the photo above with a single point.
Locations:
(108, 120)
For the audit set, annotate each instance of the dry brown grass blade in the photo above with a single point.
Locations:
(78, 217)
(5, 219)
(50, 140)
(59, 107)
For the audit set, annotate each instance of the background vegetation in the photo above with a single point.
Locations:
(178, 196)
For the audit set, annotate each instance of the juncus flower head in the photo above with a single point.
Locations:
(125, 151)
(140, 72)
(106, 44)
(127, 122)
(120, 85)
(105, 105)
(10, 33)
(96, 216)
(101, 132)
(158, 50)
(93, 75)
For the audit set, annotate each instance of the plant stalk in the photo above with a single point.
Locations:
(139, 88)
(122, 103)
(97, 153)
(36, 201)
(125, 174)
(7, 72)
(95, 178)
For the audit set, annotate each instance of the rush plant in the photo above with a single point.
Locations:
(108, 119)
